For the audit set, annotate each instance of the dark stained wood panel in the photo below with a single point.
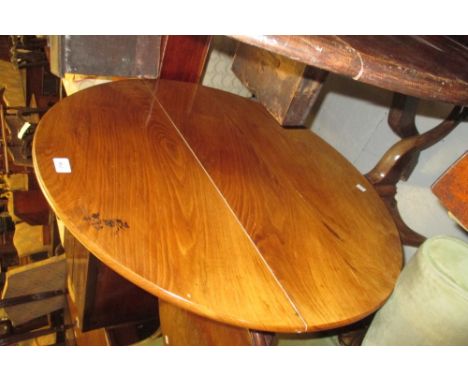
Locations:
(201, 198)
(31, 207)
(134, 56)
(429, 67)
(183, 57)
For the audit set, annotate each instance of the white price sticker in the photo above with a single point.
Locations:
(361, 188)
(62, 165)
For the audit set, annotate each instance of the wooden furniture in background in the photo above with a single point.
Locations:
(429, 67)
(398, 162)
(42, 86)
(33, 291)
(112, 56)
(29, 54)
(452, 190)
(183, 57)
(17, 141)
(5, 154)
(102, 298)
(232, 217)
(287, 88)
(8, 254)
(15, 120)
(31, 207)
(5, 44)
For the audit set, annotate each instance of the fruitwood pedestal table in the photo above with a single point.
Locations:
(198, 196)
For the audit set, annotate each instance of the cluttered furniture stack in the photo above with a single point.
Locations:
(33, 301)
(29, 266)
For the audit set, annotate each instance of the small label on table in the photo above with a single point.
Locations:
(62, 165)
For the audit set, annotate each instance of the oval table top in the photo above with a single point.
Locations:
(199, 197)
(428, 67)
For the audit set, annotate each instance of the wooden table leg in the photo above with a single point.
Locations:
(402, 120)
(181, 327)
(399, 161)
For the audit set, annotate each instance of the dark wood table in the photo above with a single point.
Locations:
(426, 67)
(413, 67)
(452, 190)
(199, 197)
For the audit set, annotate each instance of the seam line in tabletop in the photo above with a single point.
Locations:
(292, 304)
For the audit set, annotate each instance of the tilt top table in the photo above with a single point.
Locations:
(199, 197)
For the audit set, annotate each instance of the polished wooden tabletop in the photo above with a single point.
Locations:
(201, 198)
(428, 67)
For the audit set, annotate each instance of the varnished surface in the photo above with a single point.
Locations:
(429, 67)
(201, 198)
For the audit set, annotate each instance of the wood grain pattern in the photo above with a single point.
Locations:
(181, 327)
(428, 67)
(295, 196)
(287, 88)
(228, 215)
